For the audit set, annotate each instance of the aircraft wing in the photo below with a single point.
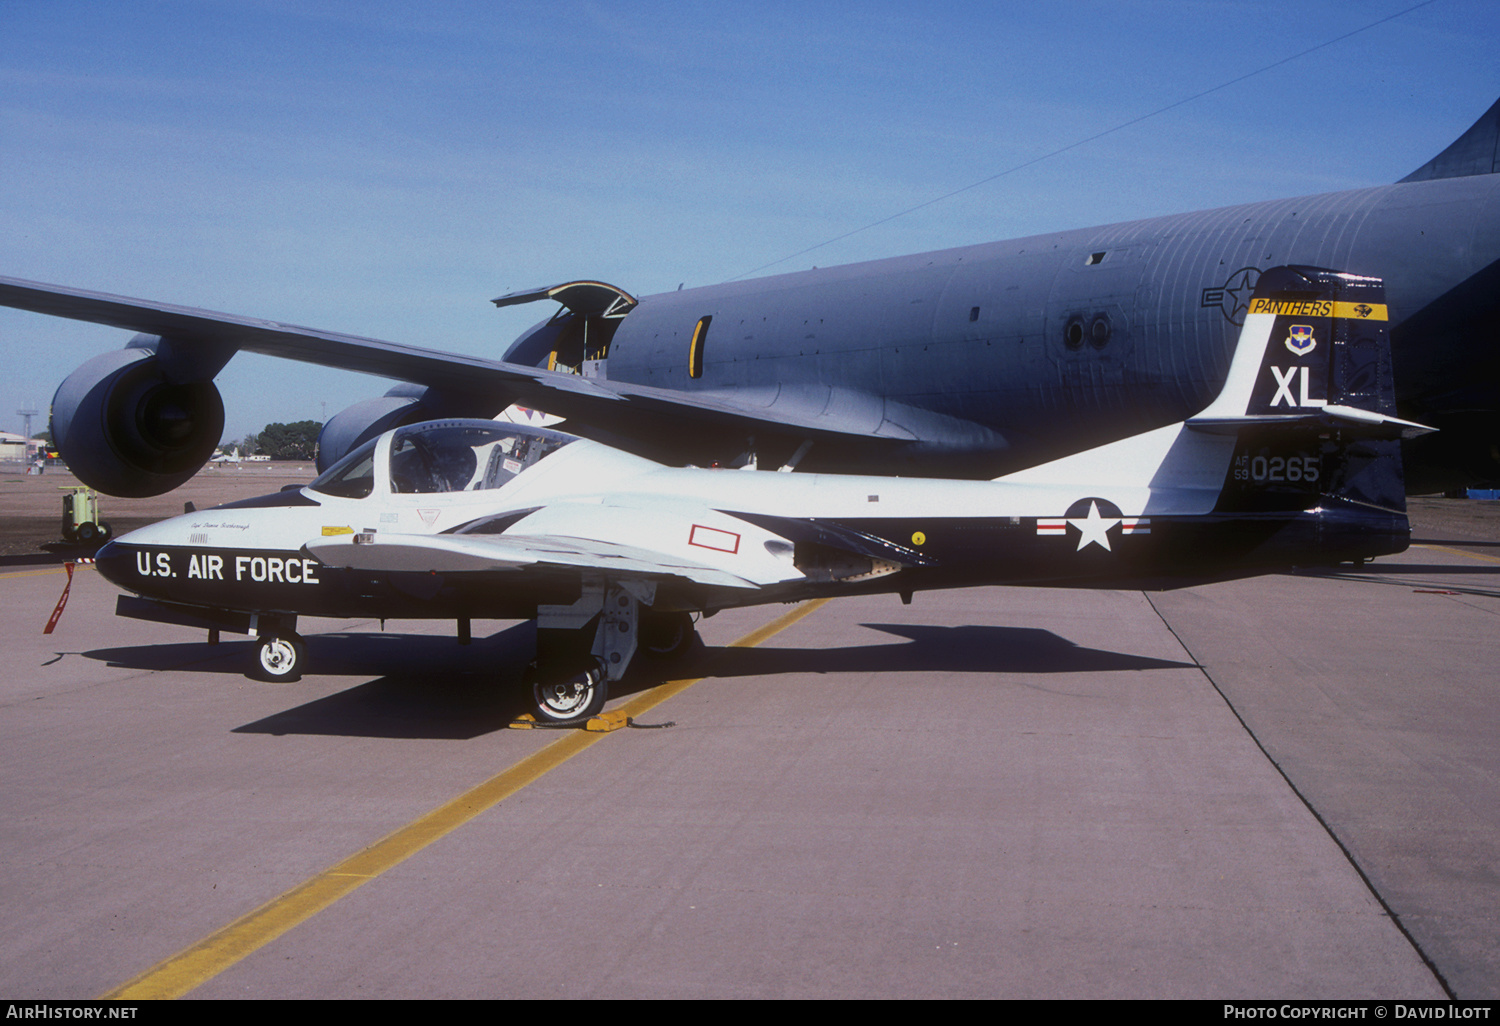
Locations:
(192, 326)
(616, 411)
(476, 553)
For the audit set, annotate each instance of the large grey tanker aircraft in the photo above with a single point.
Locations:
(1296, 461)
(968, 362)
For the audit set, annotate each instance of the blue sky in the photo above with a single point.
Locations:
(387, 168)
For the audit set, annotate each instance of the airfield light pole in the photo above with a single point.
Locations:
(26, 415)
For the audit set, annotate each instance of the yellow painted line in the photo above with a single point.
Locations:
(203, 961)
(41, 573)
(1458, 552)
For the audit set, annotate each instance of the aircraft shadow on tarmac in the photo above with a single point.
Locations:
(1460, 543)
(438, 705)
(1411, 575)
(1405, 570)
(430, 687)
(938, 649)
(424, 686)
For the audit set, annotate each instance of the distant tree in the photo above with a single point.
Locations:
(247, 445)
(297, 441)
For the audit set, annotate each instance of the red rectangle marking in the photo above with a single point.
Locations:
(713, 538)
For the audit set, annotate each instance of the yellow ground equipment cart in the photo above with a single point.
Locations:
(81, 523)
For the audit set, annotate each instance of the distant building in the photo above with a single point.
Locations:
(15, 447)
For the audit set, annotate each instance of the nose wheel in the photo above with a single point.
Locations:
(279, 656)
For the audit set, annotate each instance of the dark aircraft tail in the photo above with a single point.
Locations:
(1476, 152)
(1311, 398)
(1305, 421)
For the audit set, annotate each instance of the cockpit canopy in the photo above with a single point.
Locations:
(441, 456)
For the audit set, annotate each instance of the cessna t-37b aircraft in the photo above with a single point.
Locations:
(1297, 461)
(971, 362)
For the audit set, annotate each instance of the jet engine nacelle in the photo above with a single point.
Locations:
(402, 405)
(126, 429)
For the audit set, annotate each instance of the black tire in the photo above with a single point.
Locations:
(105, 531)
(87, 533)
(568, 698)
(279, 656)
(667, 635)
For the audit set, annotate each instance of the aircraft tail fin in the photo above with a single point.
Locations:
(1315, 347)
(1310, 397)
(1476, 152)
(1306, 417)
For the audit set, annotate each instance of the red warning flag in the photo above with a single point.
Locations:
(57, 613)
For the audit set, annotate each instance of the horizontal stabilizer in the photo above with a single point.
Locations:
(1346, 417)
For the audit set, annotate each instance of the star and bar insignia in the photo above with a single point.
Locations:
(1093, 527)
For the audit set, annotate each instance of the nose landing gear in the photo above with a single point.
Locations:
(280, 652)
(279, 655)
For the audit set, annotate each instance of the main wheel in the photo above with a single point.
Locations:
(666, 635)
(574, 697)
(279, 656)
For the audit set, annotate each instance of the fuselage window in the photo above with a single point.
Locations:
(695, 350)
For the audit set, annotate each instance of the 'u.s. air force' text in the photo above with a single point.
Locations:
(209, 567)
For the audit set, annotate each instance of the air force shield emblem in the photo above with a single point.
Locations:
(1300, 339)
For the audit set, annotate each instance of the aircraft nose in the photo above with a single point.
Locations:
(133, 561)
(113, 561)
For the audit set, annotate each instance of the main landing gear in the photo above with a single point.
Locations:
(585, 646)
(563, 699)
